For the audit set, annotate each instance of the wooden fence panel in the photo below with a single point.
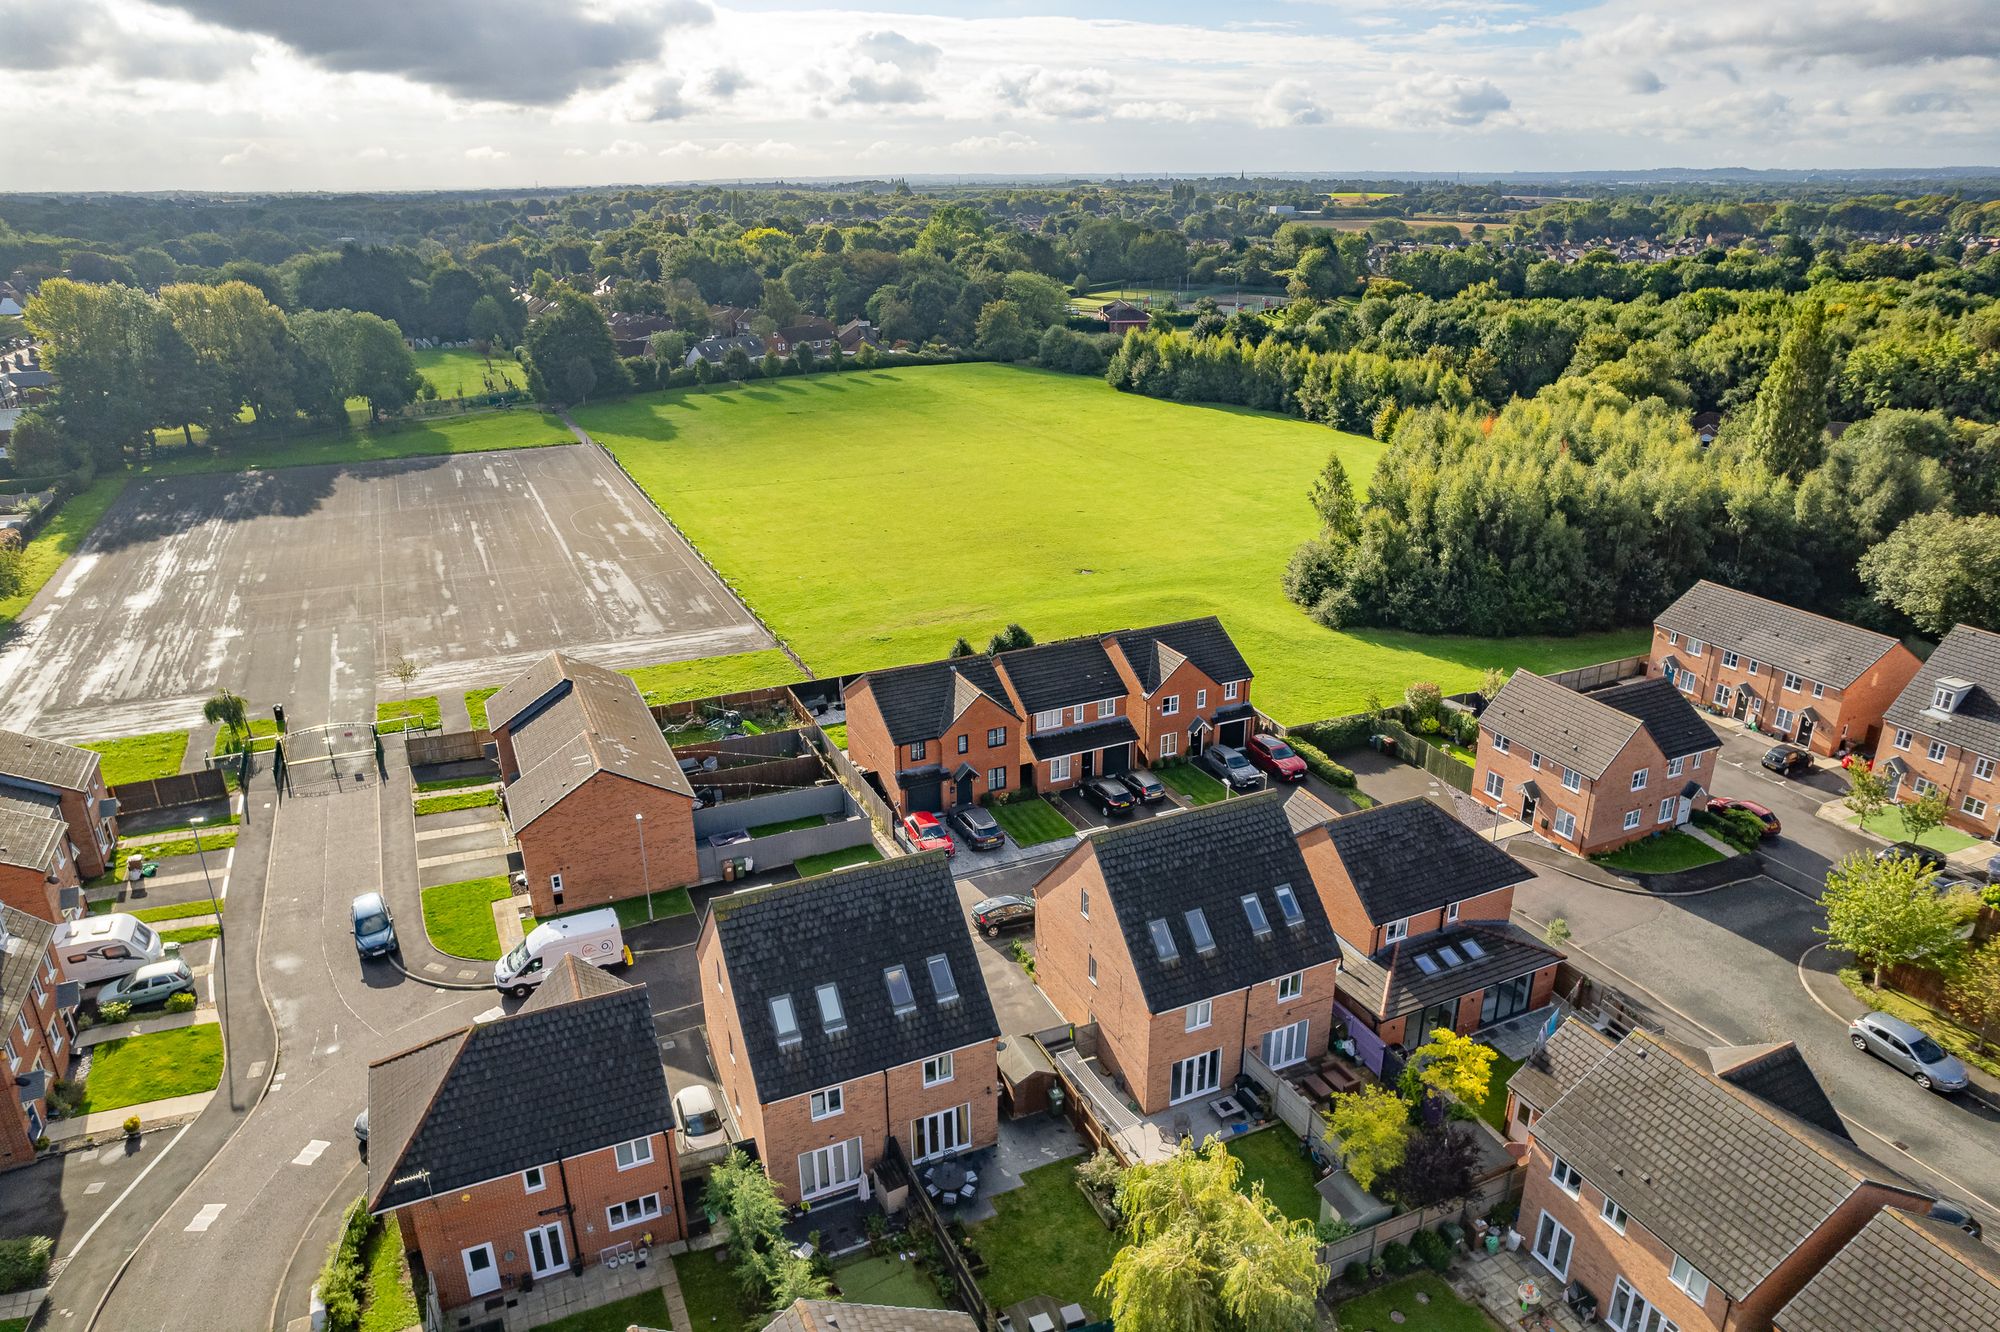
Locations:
(445, 747)
(186, 788)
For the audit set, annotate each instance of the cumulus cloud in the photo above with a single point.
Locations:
(39, 37)
(1007, 143)
(1291, 102)
(1067, 95)
(1871, 33)
(1429, 100)
(525, 52)
(890, 69)
(486, 152)
(663, 102)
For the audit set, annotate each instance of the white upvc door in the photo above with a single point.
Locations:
(1552, 1246)
(1196, 1076)
(482, 1274)
(1286, 1045)
(547, 1254)
(828, 1169)
(943, 1133)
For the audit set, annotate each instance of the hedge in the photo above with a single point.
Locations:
(24, 1262)
(1334, 735)
(340, 1280)
(1322, 767)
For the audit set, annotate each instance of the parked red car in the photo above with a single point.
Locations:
(1276, 757)
(1772, 827)
(927, 834)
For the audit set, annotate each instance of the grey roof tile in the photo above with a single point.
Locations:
(589, 720)
(921, 702)
(1062, 674)
(48, 762)
(1154, 652)
(1829, 651)
(26, 947)
(1966, 654)
(1900, 1273)
(30, 840)
(1397, 980)
(1665, 713)
(1304, 810)
(1572, 1050)
(1586, 732)
(1413, 856)
(829, 1316)
(1098, 735)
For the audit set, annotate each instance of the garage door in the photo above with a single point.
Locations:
(1236, 734)
(1116, 759)
(927, 794)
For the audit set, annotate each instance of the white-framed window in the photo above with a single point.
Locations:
(827, 1103)
(1674, 637)
(1093, 968)
(1632, 1312)
(1694, 647)
(1396, 930)
(1567, 1177)
(1819, 690)
(1231, 690)
(965, 743)
(1292, 986)
(1937, 751)
(1287, 1045)
(55, 1037)
(1784, 720)
(1200, 1013)
(1572, 780)
(1451, 911)
(555, 887)
(1676, 766)
(1689, 1280)
(1197, 1075)
(1631, 819)
(1974, 806)
(1553, 1243)
(1107, 707)
(1924, 785)
(827, 1169)
(1059, 769)
(637, 1152)
(1722, 696)
(917, 750)
(1982, 769)
(1752, 667)
(937, 1070)
(622, 1214)
(1614, 1215)
(1640, 778)
(1565, 824)
(1288, 905)
(1902, 738)
(1048, 721)
(1076, 713)
(1201, 698)
(1170, 706)
(1695, 762)
(1534, 760)
(1502, 743)
(35, 984)
(1084, 908)
(1170, 744)
(1729, 659)
(1793, 682)
(996, 779)
(1668, 808)
(1494, 785)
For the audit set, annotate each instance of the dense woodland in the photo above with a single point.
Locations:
(1543, 473)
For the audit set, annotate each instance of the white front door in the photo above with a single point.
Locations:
(482, 1274)
(547, 1253)
(1286, 1045)
(1195, 1077)
(940, 1134)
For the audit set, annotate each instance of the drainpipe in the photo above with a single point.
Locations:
(568, 1209)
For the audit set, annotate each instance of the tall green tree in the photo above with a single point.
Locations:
(1790, 415)
(1889, 911)
(98, 341)
(572, 334)
(1974, 991)
(1939, 570)
(1372, 1127)
(1333, 499)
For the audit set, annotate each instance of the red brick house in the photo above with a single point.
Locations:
(1420, 904)
(68, 783)
(938, 735)
(1188, 939)
(1591, 772)
(583, 761)
(37, 872)
(847, 1009)
(1121, 317)
(816, 334)
(1187, 687)
(38, 1011)
(1800, 677)
(524, 1147)
(1943, 731)
(1902, 1271)
(1697, 1189)
(1558, 1063)
(1074, 704)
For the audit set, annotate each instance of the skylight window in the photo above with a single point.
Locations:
(785, 1020)
(1471, 948)
(831, 1017)
(1197, 923)
(1450, 956)
(942, 981)
(1427, 964)
(901, 997)
(1163, 940)
(1253, 907)
(1288, 904)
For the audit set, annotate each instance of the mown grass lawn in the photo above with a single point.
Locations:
(263, 737)
(520, 429)
(135, 1069)
(1271, 1157)
(1030, 822)
(454, 783)
(192, 934)
(458, 917)
(155, 915)
(220, 839)
(673, 681)
(444, 804)
(644, 1310)
(1062, 550)
(887, 1281)
(403, 713)
(1194, 783)
(1443, 1312)
(1662, 853)
(1494, 1108)
(140, 758)
(1045, 1240)
(461, 372)
(475, 705)
(789, 825)
(715, 1299)
(828, 861)
(60, 538)
(1942, 839)
(836, 734)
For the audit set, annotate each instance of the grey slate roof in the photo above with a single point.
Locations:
(1413, 856)
(1304, 810)
(1965, 654)
(1587, 732)
(829, 1316)
(1827, 651)
(1154, 652)
(1162, 868)
(1117, 731)
(1061, 674)
(1727, 1180)
(46, 762)
(846, 929)
(921, 702)
(1395, 982)
(35, 804)
(30, 840)
(563, 1076)
(589, 720)
(27, 946)
(1572, 1050)
(1901, 1272)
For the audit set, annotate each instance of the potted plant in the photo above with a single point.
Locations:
(132, 1126)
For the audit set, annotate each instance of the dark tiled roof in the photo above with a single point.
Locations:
(563, 1076)
(1413, 856)
(1665, 713)
(1900, 1272)
(846, 929)
(1117, 731)
(828, 1316)
(1061, 674)
(1777, 1073)
(921, 702)
(1572, 1050)
(1304, 810)
(30, 840)
(26, 947)
(1396, 981)
(1828, 651)
(48, 762)
(1211, 858)
(1154, 652)
(1726, 1180)
(589, 720)
(1587, 732)
(1965, 654)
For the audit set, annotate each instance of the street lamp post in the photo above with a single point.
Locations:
(202, 856)
(645, 875)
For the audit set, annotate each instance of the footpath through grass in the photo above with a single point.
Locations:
(140, 758)
(1059, 550)
(59, 539)
(135, 1069)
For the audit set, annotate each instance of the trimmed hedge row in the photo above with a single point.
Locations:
(1322, 767)
(1335, 735)
(340, 1280)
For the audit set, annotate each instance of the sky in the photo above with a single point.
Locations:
(425, 94)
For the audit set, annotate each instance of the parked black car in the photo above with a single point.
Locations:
(1006, 912)
(1923, 855)
(1111, 796)
(978, 829)
(1788, 761)
(1149, 789)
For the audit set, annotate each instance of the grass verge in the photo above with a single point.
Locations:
(135, 1069)
(475, 705)
(1662, 853)
(1271, 1157)
(673, 681)
(480, 433)
(1196, 785)
(1945, 1029)
(140, 758)
(826, 861)
(404, 713)
(388, 1300)
(60, 538)
(263, 737)
(458, 917)
(1889, 823)
(445, 804)
(456, 783)
(192, 934)
(1440, 1311)
(789, 825)
(1045, 1240)
(1494, 1108)
(1030, 822)
(219, 840)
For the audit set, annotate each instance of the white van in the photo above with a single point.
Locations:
(592, 936)
(102, 948)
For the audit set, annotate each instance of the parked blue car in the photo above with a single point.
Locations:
(374, 929)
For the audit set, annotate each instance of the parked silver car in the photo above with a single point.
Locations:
(151, 984)
(1228, 763)
(1900, 1045)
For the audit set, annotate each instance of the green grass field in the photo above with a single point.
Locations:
(460, 372)
(403, 713)
(1440, 1311)
(1662, 853)
(705, 676)
(1194, 783)
(1044, 1240)
(475, 705)
(445, 804)
(140, 758)
(57, 541)
(521, 428)
(828, 861)
(1076, 508)
(135, 1069)
(458, 917)
(263, 737)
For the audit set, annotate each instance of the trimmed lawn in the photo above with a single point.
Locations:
(403, 713)
(645, 1310)
(1271, 1157)
(140, 758)
(388, 1302)
(827, 861)
(444, 804)
(455, 784)
(219, 840)
(1194, 783)
(1056, 542)
(1045, 1240)
(461, 372)
(208, 825)
(192, 934)
(1444, 1313)
(1946, 1030)
(1662, 853)
(1030, 822)
(667, 902)
(458, 917)
(789, 825)
(154, 915)
(263, 737)
(522, 428)
(673, 681)
(887, 1280)
(1943, 839)
(836, 734)
(135, 1069)
(1494, 1108)
(475, 707)
(59, 539)
(715, 1301)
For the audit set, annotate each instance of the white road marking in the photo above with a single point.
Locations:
(172, 1143)
(205, 1217)
(94, 1187)
(311, 1152)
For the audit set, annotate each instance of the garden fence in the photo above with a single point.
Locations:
(876, 808)
(1291, 1105)
(186, 788)
(1422, 754)
(1584, 678)
(896, 1171)
(445, 747)
(1364, 1246)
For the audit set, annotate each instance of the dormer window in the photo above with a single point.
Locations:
(1950, 693)
(901, 997)
(943, 983)
(1197, 923)
(1288, 904)
(1260, 924)
(831, 1017)
(785, 1021)
(1163, 940)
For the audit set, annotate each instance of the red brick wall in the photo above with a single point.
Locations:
(1184, 686)
(29, 890)
(1336, 889)
(1853, 713)
(1238, 1021)
(79, 810)
(973, 724)
(502, 1211)
(1955, 773)
(1065, 942)
(1601, 805)
(725, 1032)
(591, 839)
(31, 1050)
(868, 743)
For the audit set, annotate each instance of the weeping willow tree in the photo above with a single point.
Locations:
(1201, 1255)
